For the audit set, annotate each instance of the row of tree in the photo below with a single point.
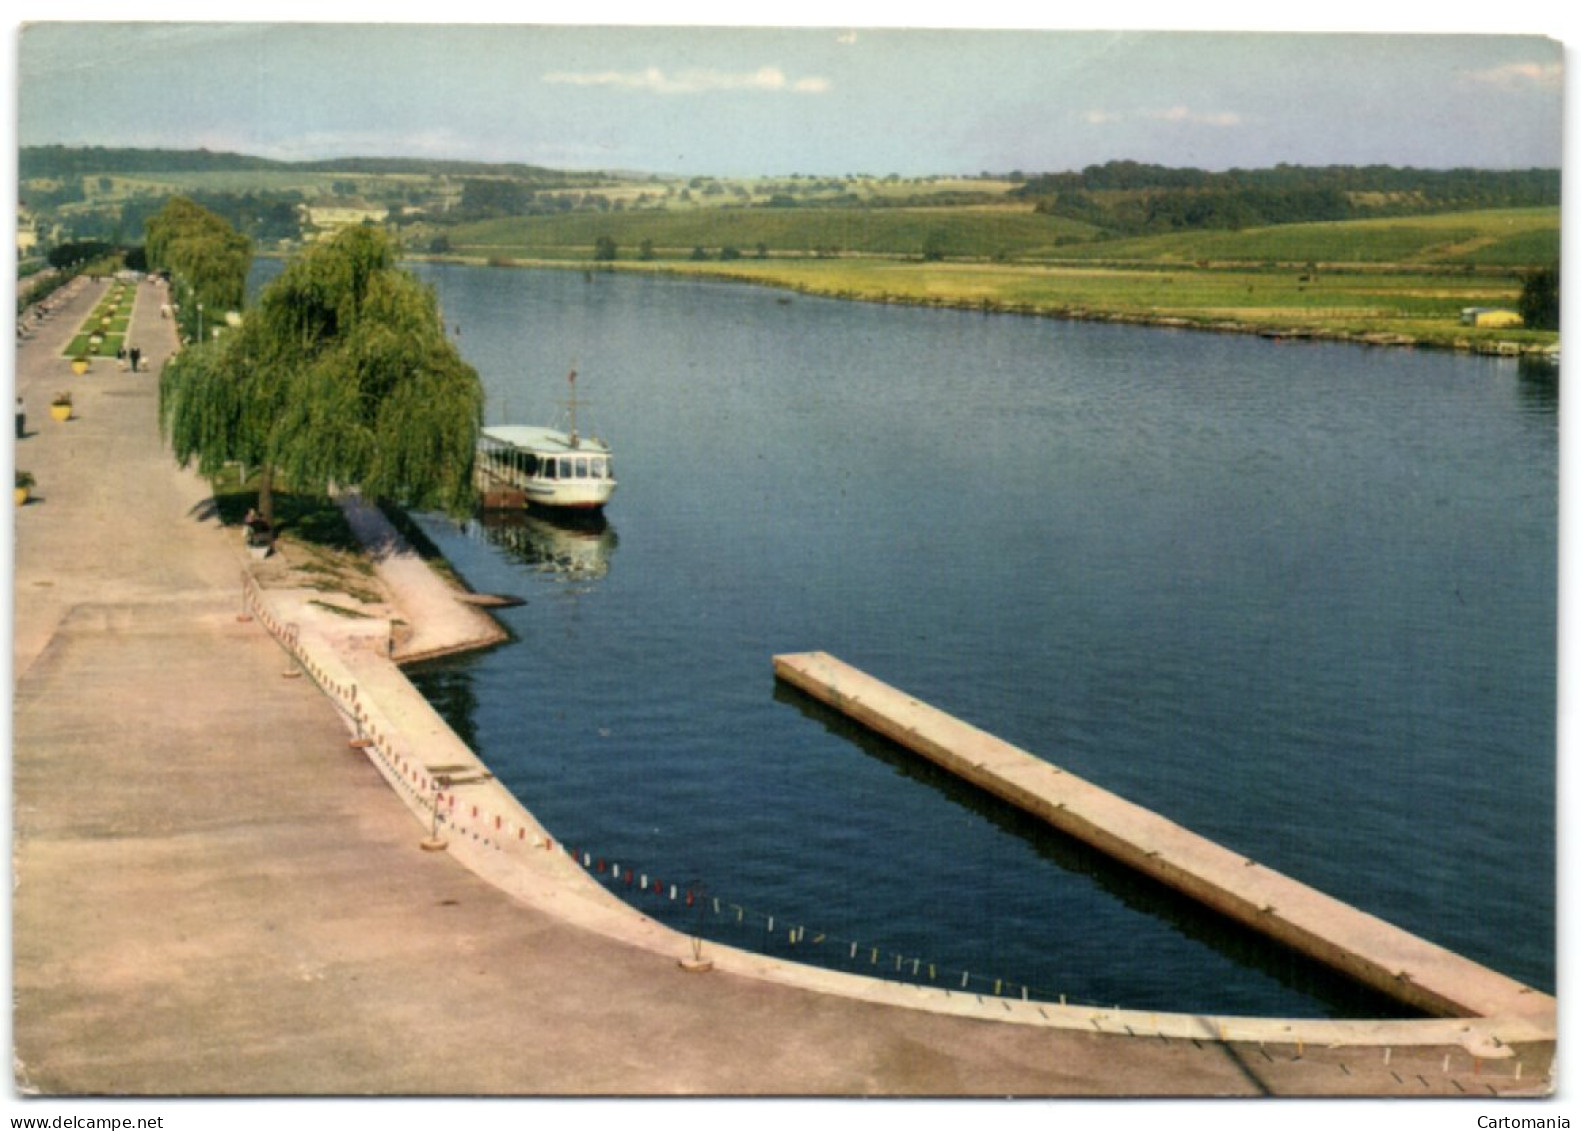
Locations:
(1128, 198)
(340, 376)
(59, 161)
(1528, 186)
(208, 257)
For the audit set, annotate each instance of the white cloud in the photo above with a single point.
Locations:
(692, 81)
(1181, 114)
(1515, 76)
(1193, 117)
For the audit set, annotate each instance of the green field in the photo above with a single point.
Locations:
(1513, 238)
(973, 232)
(1508, 238)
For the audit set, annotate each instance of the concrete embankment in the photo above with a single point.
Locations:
(1410, 969)
(454, 798)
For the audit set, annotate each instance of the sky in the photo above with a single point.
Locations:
(817, 100)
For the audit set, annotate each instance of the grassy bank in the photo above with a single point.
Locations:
(1393, 308)
(1402, 281)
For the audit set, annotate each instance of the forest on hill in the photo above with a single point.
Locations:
(1129, 198)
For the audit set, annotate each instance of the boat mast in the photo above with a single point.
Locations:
(575, 440)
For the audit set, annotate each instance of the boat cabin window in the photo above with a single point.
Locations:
(548, 469)
(529, 463)
(581, 467)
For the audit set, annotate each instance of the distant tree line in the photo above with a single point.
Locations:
(1129, 197)
(61, 161)
(265, 217)
(492, 198)
(1514, 186)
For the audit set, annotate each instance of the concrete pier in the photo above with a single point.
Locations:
(1412, 970)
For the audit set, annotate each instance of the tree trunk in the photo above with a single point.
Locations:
(266, 495)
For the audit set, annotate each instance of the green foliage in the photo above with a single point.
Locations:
(604, 249)
(203, 251)
(493, 196)
(68, 255)
(40, 289)
(1131, 198)
(1540, 299)
(342, 376)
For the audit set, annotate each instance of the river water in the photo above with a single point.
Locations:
(1299, 598)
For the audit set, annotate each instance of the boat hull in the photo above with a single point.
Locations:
(497, 493)
(524, 465)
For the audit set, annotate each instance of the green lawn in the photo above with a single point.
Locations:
(109, 322)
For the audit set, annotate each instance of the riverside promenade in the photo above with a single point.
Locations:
(216, 893)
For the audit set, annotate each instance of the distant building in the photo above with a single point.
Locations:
(26, 235)
(329, 218)
(1489, 316)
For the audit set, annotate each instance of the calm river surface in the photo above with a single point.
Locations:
(1299, 598)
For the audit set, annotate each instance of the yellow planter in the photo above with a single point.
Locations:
(61, 412)
(22, 496)
(79, 365)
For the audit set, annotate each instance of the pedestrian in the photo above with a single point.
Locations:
(21, 419)
(136, 354)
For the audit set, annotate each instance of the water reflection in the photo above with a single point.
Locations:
(1331, 593)
(1335, 995)
(575, 547)
(1539, 383)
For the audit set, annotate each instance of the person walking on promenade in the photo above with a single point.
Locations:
(136, 355)
(21, 419)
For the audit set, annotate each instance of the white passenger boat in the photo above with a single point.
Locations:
(524, 465)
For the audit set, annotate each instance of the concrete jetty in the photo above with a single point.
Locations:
(1408, 968)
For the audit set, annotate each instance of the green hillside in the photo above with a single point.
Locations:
(974, 232)
(1514, 238)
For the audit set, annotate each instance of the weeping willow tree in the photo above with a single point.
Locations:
(341, 376)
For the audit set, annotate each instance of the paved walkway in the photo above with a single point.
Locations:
(214, 894)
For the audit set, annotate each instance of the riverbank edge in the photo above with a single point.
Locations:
(492, 833)
(1272, 329)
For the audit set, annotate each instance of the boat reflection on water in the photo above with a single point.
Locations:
(574, 545)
